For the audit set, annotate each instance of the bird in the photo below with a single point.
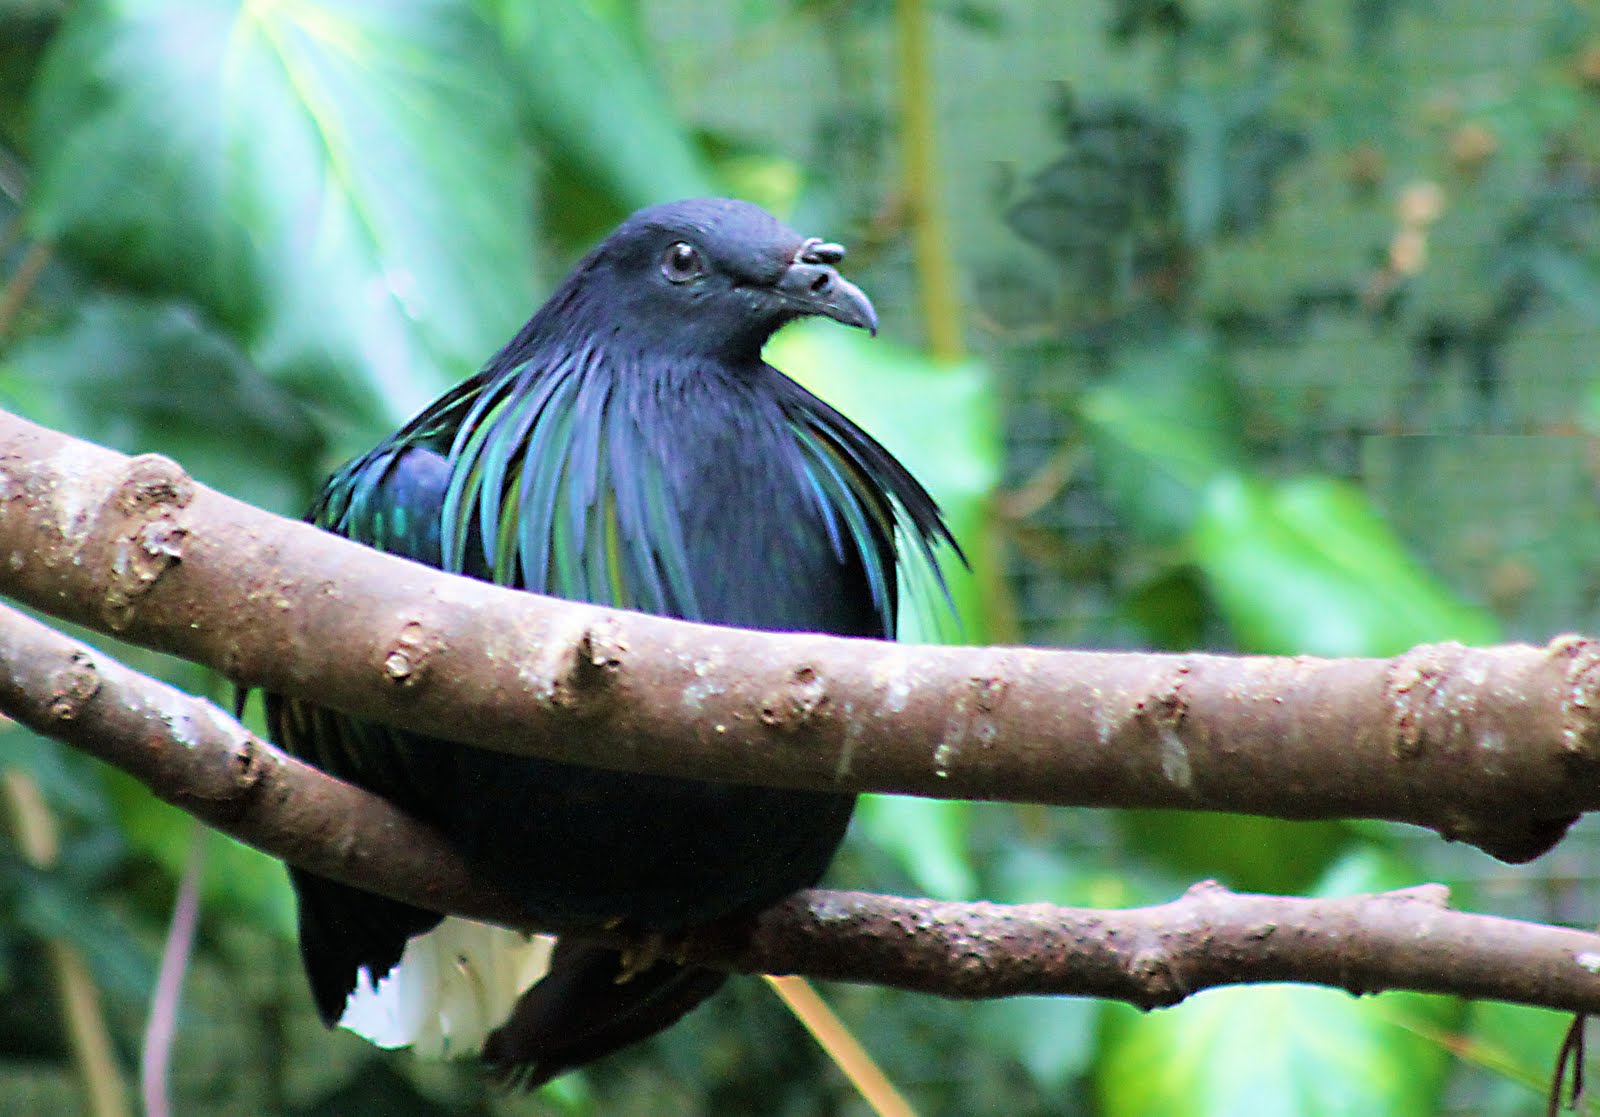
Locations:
(628, 447)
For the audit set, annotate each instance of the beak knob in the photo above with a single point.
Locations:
(812, 285)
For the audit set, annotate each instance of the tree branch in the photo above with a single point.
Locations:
(193, 755)
(1496, 746)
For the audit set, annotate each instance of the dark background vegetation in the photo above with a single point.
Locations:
(1278, 329)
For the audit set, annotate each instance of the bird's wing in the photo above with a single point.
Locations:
(390, 500)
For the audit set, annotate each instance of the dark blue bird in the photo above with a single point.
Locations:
(628, 447)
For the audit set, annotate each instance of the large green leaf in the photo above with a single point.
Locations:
(145, 376)
(591, 93)
(339, 184)
(1272, 1051)
(235, 878)
(1307, 566)
(1516, 1045)
(1571, 277)
(939, 419)
(928, 840)
(1163, 425)
(51, 906)
(1282, 1050)
(1242, 851)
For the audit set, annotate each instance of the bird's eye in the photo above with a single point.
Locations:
(681, 263)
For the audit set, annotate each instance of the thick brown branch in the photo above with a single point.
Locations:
(196, 757)
(1496, 746)
(191, 754)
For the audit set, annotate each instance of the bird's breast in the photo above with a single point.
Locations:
(756, 544)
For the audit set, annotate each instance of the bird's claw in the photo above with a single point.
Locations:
(640, 955)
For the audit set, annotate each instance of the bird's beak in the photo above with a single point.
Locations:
(816, 288)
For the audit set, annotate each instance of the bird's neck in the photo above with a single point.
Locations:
(622, 358)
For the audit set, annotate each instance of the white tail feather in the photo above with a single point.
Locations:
(451, 988)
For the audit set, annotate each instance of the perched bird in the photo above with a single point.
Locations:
(629, 447)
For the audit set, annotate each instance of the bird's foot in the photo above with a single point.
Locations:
(640, 955)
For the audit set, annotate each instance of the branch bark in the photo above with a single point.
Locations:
(1496, 746)
(193, 755)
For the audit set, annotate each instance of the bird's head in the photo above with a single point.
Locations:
(710, 277)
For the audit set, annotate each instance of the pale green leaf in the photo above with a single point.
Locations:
(1307, 566)
(591, 93)
(1283, 1050)
(340, 185)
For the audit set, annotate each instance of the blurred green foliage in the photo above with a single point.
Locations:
(1283, 319)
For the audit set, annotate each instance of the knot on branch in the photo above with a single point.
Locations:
(152, 493)
(1518, 841)
(227, 791)
(1156, 979)
(601, 649)
(1418, 696)
(153, 483)
(1432, 895)
(801, 698)
(408, 655)
(1580, 707)
(1441, 712)
(578, 660)
(73, 686)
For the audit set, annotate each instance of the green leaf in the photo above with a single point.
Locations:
(236, 879)
(590, 92)
(1170, 608)
(54, 907)
(1162, 427)
(66, 778)
(940, 420)
(1307, 566)
(927, 839)
(1517, 1044)
(340, 185)
(1242, 851)
(1066, 872)
(1271, 1050)
(1052, 1037)
(1572, 278)
(143, 376)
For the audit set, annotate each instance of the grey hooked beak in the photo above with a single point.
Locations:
(813, 286)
